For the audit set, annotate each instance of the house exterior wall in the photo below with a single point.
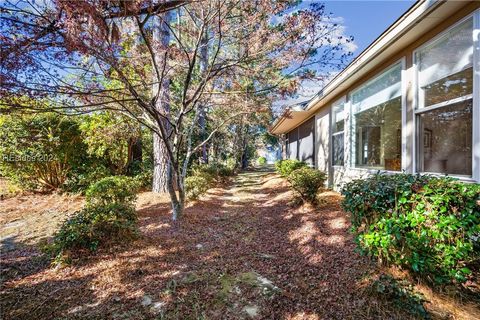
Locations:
(340, 174)
(306, 142)
(322, 139)
(301, 142)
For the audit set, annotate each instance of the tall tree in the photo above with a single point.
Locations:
(161, 38)
(282, 44)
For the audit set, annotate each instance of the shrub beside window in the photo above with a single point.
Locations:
(285, 167)
(427, 224)
(262, 161)
(306, 182)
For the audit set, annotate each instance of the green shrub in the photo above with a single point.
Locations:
(306, 182)
(262, 161)
(429, 225)
(214, 170)
(198, 169)
(143, 173)
(278, 165)
(94, 225)
(369, 199)
(285, 167)
(40, 151)
(195, 186)
(224, 171)
(84, 175)
(113, 190)
(203, 176)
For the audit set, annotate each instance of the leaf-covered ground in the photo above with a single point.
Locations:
(242, 252)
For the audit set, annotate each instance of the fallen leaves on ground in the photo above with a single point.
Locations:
(241, 252)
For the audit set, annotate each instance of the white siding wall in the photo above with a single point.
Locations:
(339, 175)
(322, 139)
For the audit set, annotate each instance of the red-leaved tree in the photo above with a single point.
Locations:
(230, 58)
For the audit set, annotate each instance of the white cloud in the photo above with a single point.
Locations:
(307, 90)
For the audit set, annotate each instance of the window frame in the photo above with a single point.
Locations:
(342, 101)
(403, 103)
(418, 105)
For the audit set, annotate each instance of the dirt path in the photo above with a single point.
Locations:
(241, 252)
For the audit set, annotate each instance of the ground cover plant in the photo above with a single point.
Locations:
(262, 161)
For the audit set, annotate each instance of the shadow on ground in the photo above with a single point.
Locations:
(241, 252)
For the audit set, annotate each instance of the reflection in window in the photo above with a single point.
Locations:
(445, 66)
(338, 124)
(445, 86)
(446, 145)
(377, 122)
(455, 86)
(378, 136)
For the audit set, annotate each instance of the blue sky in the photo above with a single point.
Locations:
(364, 20)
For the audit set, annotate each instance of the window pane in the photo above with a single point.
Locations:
(381, 89)
(455, 86)
(445, 66)
(337, 149)
(338, 117)
(292, 144)
(446, 143)
(378, 136)
(306, 142)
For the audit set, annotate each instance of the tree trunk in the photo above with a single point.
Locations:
(202, 114)
(135, 154)
(177, 201)
(161, 164)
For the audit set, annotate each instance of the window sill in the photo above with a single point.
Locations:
(458, 177)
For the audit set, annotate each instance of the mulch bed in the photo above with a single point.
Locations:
(241, 252)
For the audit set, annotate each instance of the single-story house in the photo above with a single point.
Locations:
(409, 102)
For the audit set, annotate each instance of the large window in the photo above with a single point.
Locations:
(338, 127)
(377, 122)
(293, 144)
(444, 108)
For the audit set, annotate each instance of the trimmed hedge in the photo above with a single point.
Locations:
(285, 167)
(427, 224)
(306, 182)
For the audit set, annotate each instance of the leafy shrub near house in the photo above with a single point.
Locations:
(262, 161)
(427, 224)
(285, 167)
(306, 182)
